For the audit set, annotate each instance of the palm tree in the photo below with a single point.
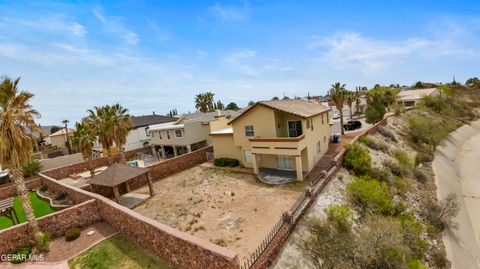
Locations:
(338, 95)
(84, 140)
(99, 121)
(209, 100)
(350, 98)
(17, 116)
(67, 137)
(122, 124)
(201, 103)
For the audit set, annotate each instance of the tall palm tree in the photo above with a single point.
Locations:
(350, 98)
(201, 103)
(67, 137)
(122, 124)
(338, 94)
(210, 102)
(84, 140)
(17, 116)
(99, 121)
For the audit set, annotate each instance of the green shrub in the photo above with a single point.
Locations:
(60, 196)
(222, 162)
(371, 196)
(341, 216)
(43, 243)
(405, 162)
(374, 143)
(381, 174)
(394, 167)
(420, 175)
(375, 112)
(416, 264)
(31, 169)
(72, 234)
(21, 255)
(423, 158)
(43, 188)
(422, 130)
(357, 159)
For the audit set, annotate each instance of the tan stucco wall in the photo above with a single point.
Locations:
(58, 140)
(224, 148)
(263, 121)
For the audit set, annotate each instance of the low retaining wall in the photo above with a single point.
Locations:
(52, 163)
(9, 190)
(56, 224)
(65, 171)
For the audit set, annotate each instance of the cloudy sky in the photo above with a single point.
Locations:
(152, 56)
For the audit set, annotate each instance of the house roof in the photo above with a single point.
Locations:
(209, 116)
(165, 126)
(62, 132)
(411, 95)
(117, 174)
(141, 121)
(297, 107)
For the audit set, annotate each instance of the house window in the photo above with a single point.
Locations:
(160, 134)
(319, 148)
(322, 120)
(311, 124)
(294, 128)
(146, 131)
(249, 130)
(247, 156)
(178, 133)
(168, 134)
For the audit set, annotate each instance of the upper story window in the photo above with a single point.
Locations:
(249, 130)
(319, 148)
(160, 134)
(168, 134)
(311, 124)
(178, 133)
(146, 131)
(294, 128)
(322, 119)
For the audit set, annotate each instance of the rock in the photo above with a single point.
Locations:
(91, 233)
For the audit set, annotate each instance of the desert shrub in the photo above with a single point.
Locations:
(60, 196)
(439, 258)
(326, 246)
(394, 167)
(416, 264)
(357, 159)
(72, 234)
(363, 139)
(381, 174)
(222, 162)
(21, 255)
(422, 157)
(31, 169)
(43, 188)
(422, 130)
(341, 216)
(413, 234)
(400, 186)
(420, 175)
(375, 112)
(442, 214)
(375, 144)
(387, 133)
(43, 242)
(405, 162)
(371, 196)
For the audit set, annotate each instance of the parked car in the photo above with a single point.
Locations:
(352, 125)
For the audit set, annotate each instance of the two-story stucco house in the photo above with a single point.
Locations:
(190, 132)
(285, 135)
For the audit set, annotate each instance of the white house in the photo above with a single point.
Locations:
(409, 98)
(139, 136)
(190, 132)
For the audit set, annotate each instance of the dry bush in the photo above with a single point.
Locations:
(442, 214)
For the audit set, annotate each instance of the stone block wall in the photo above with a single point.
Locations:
(56, 224)
(76, 196)
(9, 190)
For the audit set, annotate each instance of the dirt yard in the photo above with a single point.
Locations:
(231, 209)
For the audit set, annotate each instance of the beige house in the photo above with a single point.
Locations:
(59, 138)
(409, 98)
(190, 132)
(289, 135)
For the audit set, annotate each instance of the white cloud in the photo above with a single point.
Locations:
(55, 23)
(115, 25)
(230, 13)
(251, 63)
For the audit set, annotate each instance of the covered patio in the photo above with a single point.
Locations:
(120, 174)
(277, 176)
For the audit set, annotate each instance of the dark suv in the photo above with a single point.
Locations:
(352, 125)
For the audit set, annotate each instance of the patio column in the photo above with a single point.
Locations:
(175, 153)
(189, 148)
(116, 194)
(127, 186)
(150, 184)
(164, 156)
(255, 164)
(298, 167)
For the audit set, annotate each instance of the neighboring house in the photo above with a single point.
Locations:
(139, 136)
(59, 138)
(190, 132)
(284, 135)
(346, 109)
(409, 98)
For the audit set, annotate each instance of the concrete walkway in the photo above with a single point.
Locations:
(456, 167)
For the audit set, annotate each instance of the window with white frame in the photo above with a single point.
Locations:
(178, 133)
(247, 156)
(319, 148)
(249, 130)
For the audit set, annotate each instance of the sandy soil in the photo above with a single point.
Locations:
(231, 209)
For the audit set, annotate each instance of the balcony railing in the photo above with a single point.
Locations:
(278, 145)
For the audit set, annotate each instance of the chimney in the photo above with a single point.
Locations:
(219, 114)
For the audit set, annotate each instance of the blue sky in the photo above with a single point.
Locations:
(156, 55)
